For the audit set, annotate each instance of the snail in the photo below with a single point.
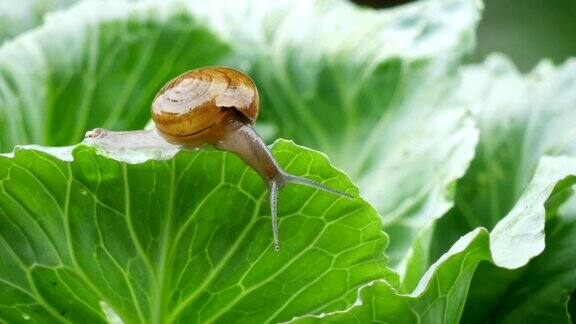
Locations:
(219, 106)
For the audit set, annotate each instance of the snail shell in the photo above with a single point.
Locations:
(191, 108)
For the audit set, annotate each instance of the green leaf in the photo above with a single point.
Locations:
(375, 103)
(98, 64)
(521, 118)
(187, 239)
(441, 294)
(540, 292)
(438, 300)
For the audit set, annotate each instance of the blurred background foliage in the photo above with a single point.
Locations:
(526, 30)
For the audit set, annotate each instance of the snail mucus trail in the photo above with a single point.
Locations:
(216, 106)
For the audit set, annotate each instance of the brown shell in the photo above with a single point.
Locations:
(193, 103)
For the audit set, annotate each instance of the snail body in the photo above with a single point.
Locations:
(219, 106)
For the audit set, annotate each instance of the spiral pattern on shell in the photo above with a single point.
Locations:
(197, 100)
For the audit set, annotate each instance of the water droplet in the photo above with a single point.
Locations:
(25, 316)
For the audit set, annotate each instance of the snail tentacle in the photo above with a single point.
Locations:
(274, 187)
(290, 178)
